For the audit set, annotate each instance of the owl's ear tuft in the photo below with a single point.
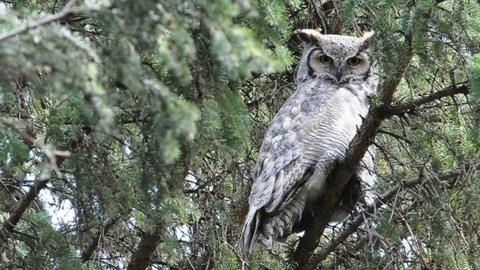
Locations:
(309, 36)
(363, 44)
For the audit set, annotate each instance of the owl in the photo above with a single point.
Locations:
(309, 135)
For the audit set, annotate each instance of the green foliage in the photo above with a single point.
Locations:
(150, 114)
(475, 76)
(236, 124)
(228, 260)
(13, 151)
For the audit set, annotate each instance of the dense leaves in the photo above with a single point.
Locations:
(128, 131)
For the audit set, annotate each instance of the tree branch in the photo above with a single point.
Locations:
(54, 157)
(106, 226)
(450, 177)
(410, 106)
(17, 213)
(65, 12)
(326, 205)
(150, 240)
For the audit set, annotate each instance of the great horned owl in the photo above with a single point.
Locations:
(309, 134)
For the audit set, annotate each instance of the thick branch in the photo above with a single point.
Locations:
(55, 158)
(460, 88)
(341, 175)
(141, 258)
(106, 226)
(450, 177)
(17, 213)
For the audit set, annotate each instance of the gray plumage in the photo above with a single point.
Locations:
(308, 135)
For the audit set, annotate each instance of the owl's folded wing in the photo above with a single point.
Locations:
(277, 177)
(279, 172)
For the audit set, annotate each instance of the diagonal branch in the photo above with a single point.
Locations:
(9, 224)
(410, 106)
(450, 177)
(54, 157)
(390, 86)
(341, 175)
(147, 246)
(16, 214)
(66, 12)
(106, 226)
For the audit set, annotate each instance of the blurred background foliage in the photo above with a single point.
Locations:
(134, 126)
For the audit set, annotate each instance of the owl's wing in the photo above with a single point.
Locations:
(280, 168)
(279, 172)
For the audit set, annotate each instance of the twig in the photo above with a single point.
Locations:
(65, 12)
(88, 252)
(398, 109)
(450, 177)
(396, 136)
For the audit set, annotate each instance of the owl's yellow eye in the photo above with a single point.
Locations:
(325, 60)
(354, 61)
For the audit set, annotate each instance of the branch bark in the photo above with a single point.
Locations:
(106, 226)
(150, 240)
(65, 12)
(338, 179)
(9, 225)
(411, 106)
(450, 177)
(55, 158)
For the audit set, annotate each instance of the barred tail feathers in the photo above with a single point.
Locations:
(250, 231)
(280, 225)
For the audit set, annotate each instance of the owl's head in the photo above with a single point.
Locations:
(335, 57)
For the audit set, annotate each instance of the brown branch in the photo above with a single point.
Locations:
(106, 226)
(55, 158)
(324, 208)
(66, 12)
(150, 240)
(449, 177)
(17, 213)
(411, 106)
(390, 86)
(396, 136)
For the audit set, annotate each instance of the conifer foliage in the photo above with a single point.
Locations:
(128, 131)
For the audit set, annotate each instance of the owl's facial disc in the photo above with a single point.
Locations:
(334, 57)
(339, 69)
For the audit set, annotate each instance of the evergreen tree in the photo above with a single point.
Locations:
(128, 131)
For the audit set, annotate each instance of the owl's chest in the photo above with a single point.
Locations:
(319, 118)
(343, 106)
(332, 122)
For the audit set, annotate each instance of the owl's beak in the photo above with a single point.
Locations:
(339, 73)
